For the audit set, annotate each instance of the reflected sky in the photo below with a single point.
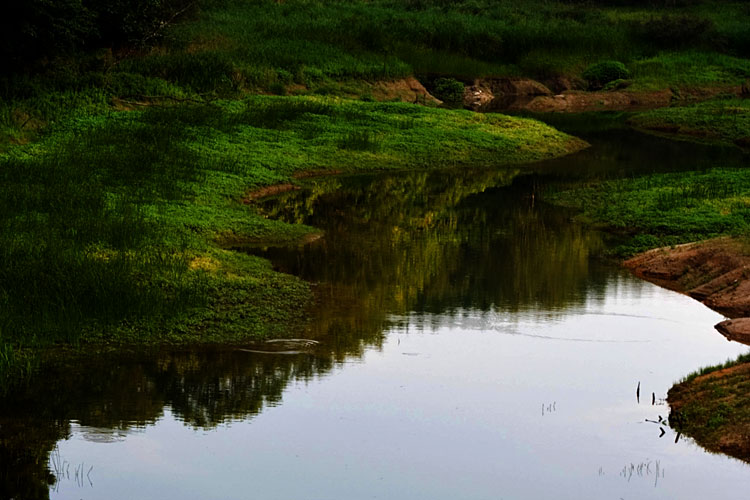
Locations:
(476, 404)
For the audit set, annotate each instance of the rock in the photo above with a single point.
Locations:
(516, 87)
(560, 84)
(484, 91)
(477, 96)
(737, 329)
(405, 89)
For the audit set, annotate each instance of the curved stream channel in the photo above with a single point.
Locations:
(472, 346)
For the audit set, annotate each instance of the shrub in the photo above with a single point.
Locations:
(449, 90)
(601, 73)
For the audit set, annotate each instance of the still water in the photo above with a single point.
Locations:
(473, 345)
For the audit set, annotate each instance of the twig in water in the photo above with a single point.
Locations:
(638, 392)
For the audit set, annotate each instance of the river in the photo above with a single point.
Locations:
(473, 344)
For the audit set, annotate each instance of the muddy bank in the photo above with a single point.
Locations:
(712, 408)
(405, 90)
(563, 95)
(714, 272)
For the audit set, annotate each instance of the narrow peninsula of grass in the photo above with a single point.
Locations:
(723, 120)
(664, 209)
(115, 225)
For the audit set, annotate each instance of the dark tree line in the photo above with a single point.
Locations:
(33, 30)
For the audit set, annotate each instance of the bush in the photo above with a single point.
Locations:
(600, 74)
(448, 90)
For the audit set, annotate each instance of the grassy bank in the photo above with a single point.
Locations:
(115, 226)
(664, 209)
(710, 405)
(722, 120)
(228, 48)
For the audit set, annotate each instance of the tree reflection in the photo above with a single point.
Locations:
(434, 242)
(438, 242)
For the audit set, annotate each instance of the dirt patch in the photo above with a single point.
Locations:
(489, 94)
(203, 44)
(405, 89)
(572, 99)
(577, 101)
(263, 192)
(735, 329)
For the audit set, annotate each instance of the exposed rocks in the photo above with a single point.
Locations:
(405, 89)
(561, 84)
(501, 94)
(579, 101)
(737, 329)
(483, 93)
(477, 96)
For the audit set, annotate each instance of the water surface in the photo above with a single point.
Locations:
(474, 344)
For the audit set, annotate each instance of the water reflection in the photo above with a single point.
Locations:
(402, 253)
(116, 394)
(409, 243)
(435, 243)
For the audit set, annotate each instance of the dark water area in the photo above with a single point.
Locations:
(473, 344)
(619, 151)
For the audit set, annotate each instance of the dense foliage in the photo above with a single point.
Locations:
(600, 74)
(32, 29)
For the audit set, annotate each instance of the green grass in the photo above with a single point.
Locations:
(724, 120)
(688, 69)
(744, 358)
(664, 209)
(113, 224)
(340, 47)
(309, 42)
